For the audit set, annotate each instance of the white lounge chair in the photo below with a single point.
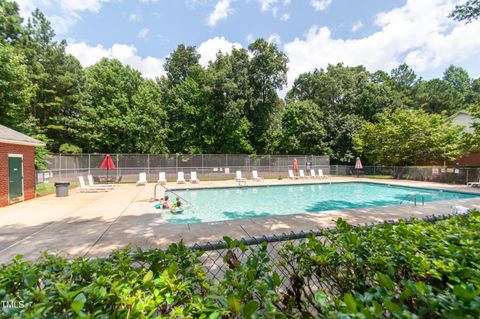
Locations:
(91, 183)
(89, 189)
(320, 174)
(290, 175)
(193, 178)
(302, 174)
(161, 178)
(255, 176)
(312, 173)
(239, 178)
(181, 178)
(474, 184)
(142, 179)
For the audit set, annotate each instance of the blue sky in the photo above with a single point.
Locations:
(376, 33)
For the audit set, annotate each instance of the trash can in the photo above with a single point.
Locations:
(61, 189)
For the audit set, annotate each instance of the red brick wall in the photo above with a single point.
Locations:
(469, 160)
(28, 170)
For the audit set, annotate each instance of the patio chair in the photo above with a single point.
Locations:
(181, 178)
(193, 178)
(91, 183)
(239, 178)
(291, 175)
(320, 174)
(89, 189)
(302, 174)
(255, 176)
(161, 178)
(312, 173)
(142, 179)
(474, 184)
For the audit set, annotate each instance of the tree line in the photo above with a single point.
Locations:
(230, 106)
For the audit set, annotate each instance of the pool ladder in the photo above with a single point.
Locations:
(168, 190)
(414, 197)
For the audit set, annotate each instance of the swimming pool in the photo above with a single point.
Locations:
(217, 204)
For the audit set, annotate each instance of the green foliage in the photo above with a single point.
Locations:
(10, 21)
(467, 11)
(69, 149)
(15, 87)
(303, 131)
(230, 106)
(407, 270)
(110, 88)
(408, 137)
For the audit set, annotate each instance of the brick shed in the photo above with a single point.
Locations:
(17, 166)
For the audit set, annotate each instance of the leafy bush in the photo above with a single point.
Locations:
(407, 270)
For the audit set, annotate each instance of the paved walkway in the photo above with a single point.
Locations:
(94, 224)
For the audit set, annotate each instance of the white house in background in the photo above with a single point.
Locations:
(463, 118)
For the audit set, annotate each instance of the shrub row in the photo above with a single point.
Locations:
(407, 270)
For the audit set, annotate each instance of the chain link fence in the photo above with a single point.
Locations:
(449, 175)
(218, 257)
(69, 167)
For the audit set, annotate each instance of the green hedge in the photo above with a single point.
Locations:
(407, 270)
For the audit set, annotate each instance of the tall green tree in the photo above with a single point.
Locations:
(227, 125)
(346, 96)
(437, 96)
(15, 87)
(109, 92)
(459, 79)
(302, 130)
(180, 61)
(267, 74)
(148, 119)
(408, 137)
(185, 96)
(10, 22)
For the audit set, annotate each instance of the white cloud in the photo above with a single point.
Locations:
(266, 5)
(274, 38)
(135, 17)
(320, 5)
(250, 38)
(66, 12)
(357, 26)
(143, 33)
(285, 17)
(150, 67)
(419, 33)
(221, 11)
(209, 49)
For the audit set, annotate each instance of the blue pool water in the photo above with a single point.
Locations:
(207, 205)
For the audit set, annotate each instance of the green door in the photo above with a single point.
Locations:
(15, 178)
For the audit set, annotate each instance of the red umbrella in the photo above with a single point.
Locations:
(107, 164)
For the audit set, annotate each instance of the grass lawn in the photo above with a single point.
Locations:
(377, 176)
(49, 188)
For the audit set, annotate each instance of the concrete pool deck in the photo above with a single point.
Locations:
(95, 223)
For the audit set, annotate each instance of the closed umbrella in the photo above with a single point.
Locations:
(358, 165)
(107, 164)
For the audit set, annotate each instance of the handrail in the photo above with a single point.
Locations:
(414, 196)
(168, 190)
